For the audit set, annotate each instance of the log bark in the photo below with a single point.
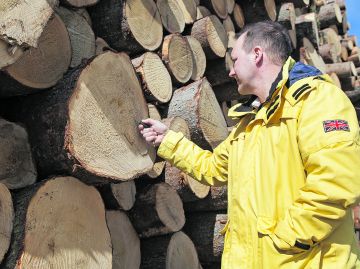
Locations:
(17, 168)
(159, 165)
(79, 3)
(9, 54)
(172, 16)
(198, 58)
(355, 59)
(215, 201)
(197, 104)
(306, 26)
(118, 196)
(297, 3)
(212, 36)
(130, 26)
(228, 92)
(343, 70)
(218, 70)
(349, 83)
(218, 7)
(286, 16)
(259, 10)
(81, 35)
(202, 12)
(238, 17)
(154, 77)
(308, 52)
(7, 219)
(188, 8)
(175, 251)
(157, 210)
(125, 241)
(59, 223)
(329, 14)
(177, 56)
(41, 67)
(31, 19)
(204, 230)
(76, 127)
(188, 188)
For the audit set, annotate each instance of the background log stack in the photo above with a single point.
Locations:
(76, 79)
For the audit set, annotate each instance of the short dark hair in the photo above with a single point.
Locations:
(272, 36)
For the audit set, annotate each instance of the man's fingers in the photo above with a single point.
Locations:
(149, 121)
(149, 134)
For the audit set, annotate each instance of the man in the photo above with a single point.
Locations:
(292, 164)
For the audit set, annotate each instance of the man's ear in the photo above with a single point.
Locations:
(258, 54)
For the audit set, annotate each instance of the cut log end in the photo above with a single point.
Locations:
(238, 15)
(124, 193)
(188, 8)
(6, 220)
(9, 54)
(125, 241)
(169, 208)
(176, 53)
(145, 23)
(199, 59)
(171, 15)
(102, 129)
(42, 67)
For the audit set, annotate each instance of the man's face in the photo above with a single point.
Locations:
(243, 67)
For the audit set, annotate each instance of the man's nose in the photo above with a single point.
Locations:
(232, 72)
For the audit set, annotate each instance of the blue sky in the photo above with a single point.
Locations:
(353, 13)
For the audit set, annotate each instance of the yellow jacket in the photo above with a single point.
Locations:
(293, 173)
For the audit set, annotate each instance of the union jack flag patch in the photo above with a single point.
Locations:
(336, 125)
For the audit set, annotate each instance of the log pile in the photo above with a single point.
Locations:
(79, 186)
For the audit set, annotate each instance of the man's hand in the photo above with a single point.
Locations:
(153, 131)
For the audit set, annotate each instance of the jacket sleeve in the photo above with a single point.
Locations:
(332, 164)
(210, 168)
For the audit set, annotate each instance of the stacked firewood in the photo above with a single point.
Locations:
(79, 186)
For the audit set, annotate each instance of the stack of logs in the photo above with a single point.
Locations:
(76, 79)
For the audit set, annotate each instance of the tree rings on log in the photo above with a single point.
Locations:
(81, 35)
(22, 22)
(218, 7)
(188, 8)
(131, 26)
(95, 135)
(230, 30)
(202, 12)
(212, 36)
(177, 55)
(59, 223)
(158, 210)
(79, 3)
(259, 10)
(171, 15)
(6, 220)
(118, 196)
(17, 169)
(188, 188)
(230, 4)
(83, 13)
(155, 78)
(199, 58)
(41, 67)
(9, 54)
(159, 165)
(205, 231)
(175, 251)
(196, 103)
(125, 241)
